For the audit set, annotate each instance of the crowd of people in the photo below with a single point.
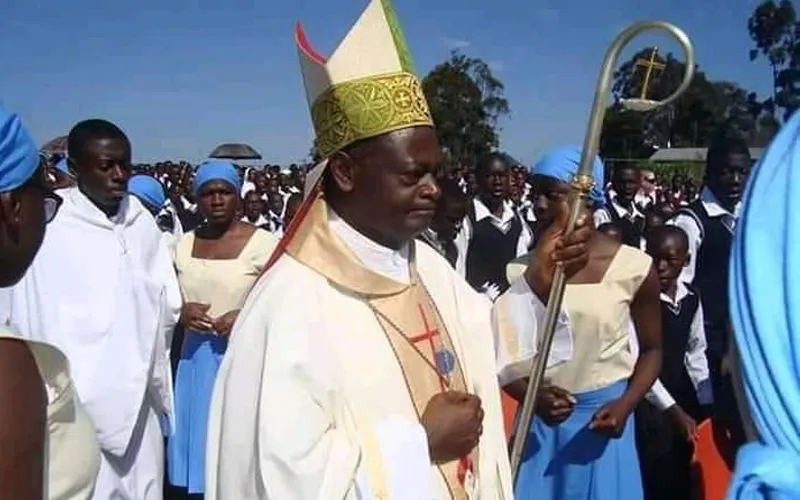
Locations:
(345, 330)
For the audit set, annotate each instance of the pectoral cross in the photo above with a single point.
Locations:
(443, 359)
(650, 64)
(428, 334)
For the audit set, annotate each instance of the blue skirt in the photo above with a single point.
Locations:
(571, 462)
(201, 356)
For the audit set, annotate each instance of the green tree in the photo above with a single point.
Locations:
(466, 101)
(775, 32)
(624, 135)
(690, 121)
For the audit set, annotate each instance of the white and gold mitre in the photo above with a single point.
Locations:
(367, 87)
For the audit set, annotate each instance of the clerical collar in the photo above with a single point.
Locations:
(379, 259)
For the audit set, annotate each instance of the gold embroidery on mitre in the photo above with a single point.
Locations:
(350, 111)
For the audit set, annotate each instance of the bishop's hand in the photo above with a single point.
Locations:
(453, 423)
(555, 248)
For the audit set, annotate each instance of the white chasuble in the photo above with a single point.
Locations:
(329, 368)
(104, 292)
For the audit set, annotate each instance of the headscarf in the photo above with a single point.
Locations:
(764, 294)
(562, 164)
(19, 158)
(217, 170)
(63, 166)
(148, 189)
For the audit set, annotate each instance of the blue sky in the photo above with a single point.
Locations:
(181, 76)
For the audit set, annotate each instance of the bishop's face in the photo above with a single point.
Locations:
(392, 188)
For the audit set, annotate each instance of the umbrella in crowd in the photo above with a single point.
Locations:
(235, 152)
(57, 146)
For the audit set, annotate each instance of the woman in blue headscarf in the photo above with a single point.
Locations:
(581, 445)
(153, 196)
(217, 264)
(764, 293)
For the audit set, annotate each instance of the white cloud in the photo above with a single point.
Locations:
(455, 43)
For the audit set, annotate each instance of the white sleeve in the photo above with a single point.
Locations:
(659, 397)
(161, 381)
(601, 217)
(696, 362)
(280, 424)
(403, 446)
(525, 238)
(462, 245)
(5, 306)
(172, 301)
(689, 226)
(517, 320)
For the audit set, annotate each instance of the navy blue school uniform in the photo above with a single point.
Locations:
(710, 229)
(664, 453)
(493, 243)
(631, 221)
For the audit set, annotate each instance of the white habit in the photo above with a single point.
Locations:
(104, 292)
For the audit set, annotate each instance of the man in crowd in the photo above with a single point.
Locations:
(387, 386)
(103, 290)
(709, 223)
(447, 223)
(620, 207)
(253, 211)
(494, 233)
(647, 196)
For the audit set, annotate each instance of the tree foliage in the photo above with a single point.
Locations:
(690, 121)
(775, 33)
(466, 101)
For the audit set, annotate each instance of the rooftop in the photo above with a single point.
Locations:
(692, 154)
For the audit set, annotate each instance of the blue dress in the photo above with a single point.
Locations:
(197, 369)
(223, 284)
(571, 462)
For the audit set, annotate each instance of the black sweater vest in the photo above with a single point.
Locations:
(631, 229)
(676, 325)
(711, 274)
(490, 250)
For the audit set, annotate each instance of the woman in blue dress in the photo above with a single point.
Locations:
(581, 445)
(217, 264)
